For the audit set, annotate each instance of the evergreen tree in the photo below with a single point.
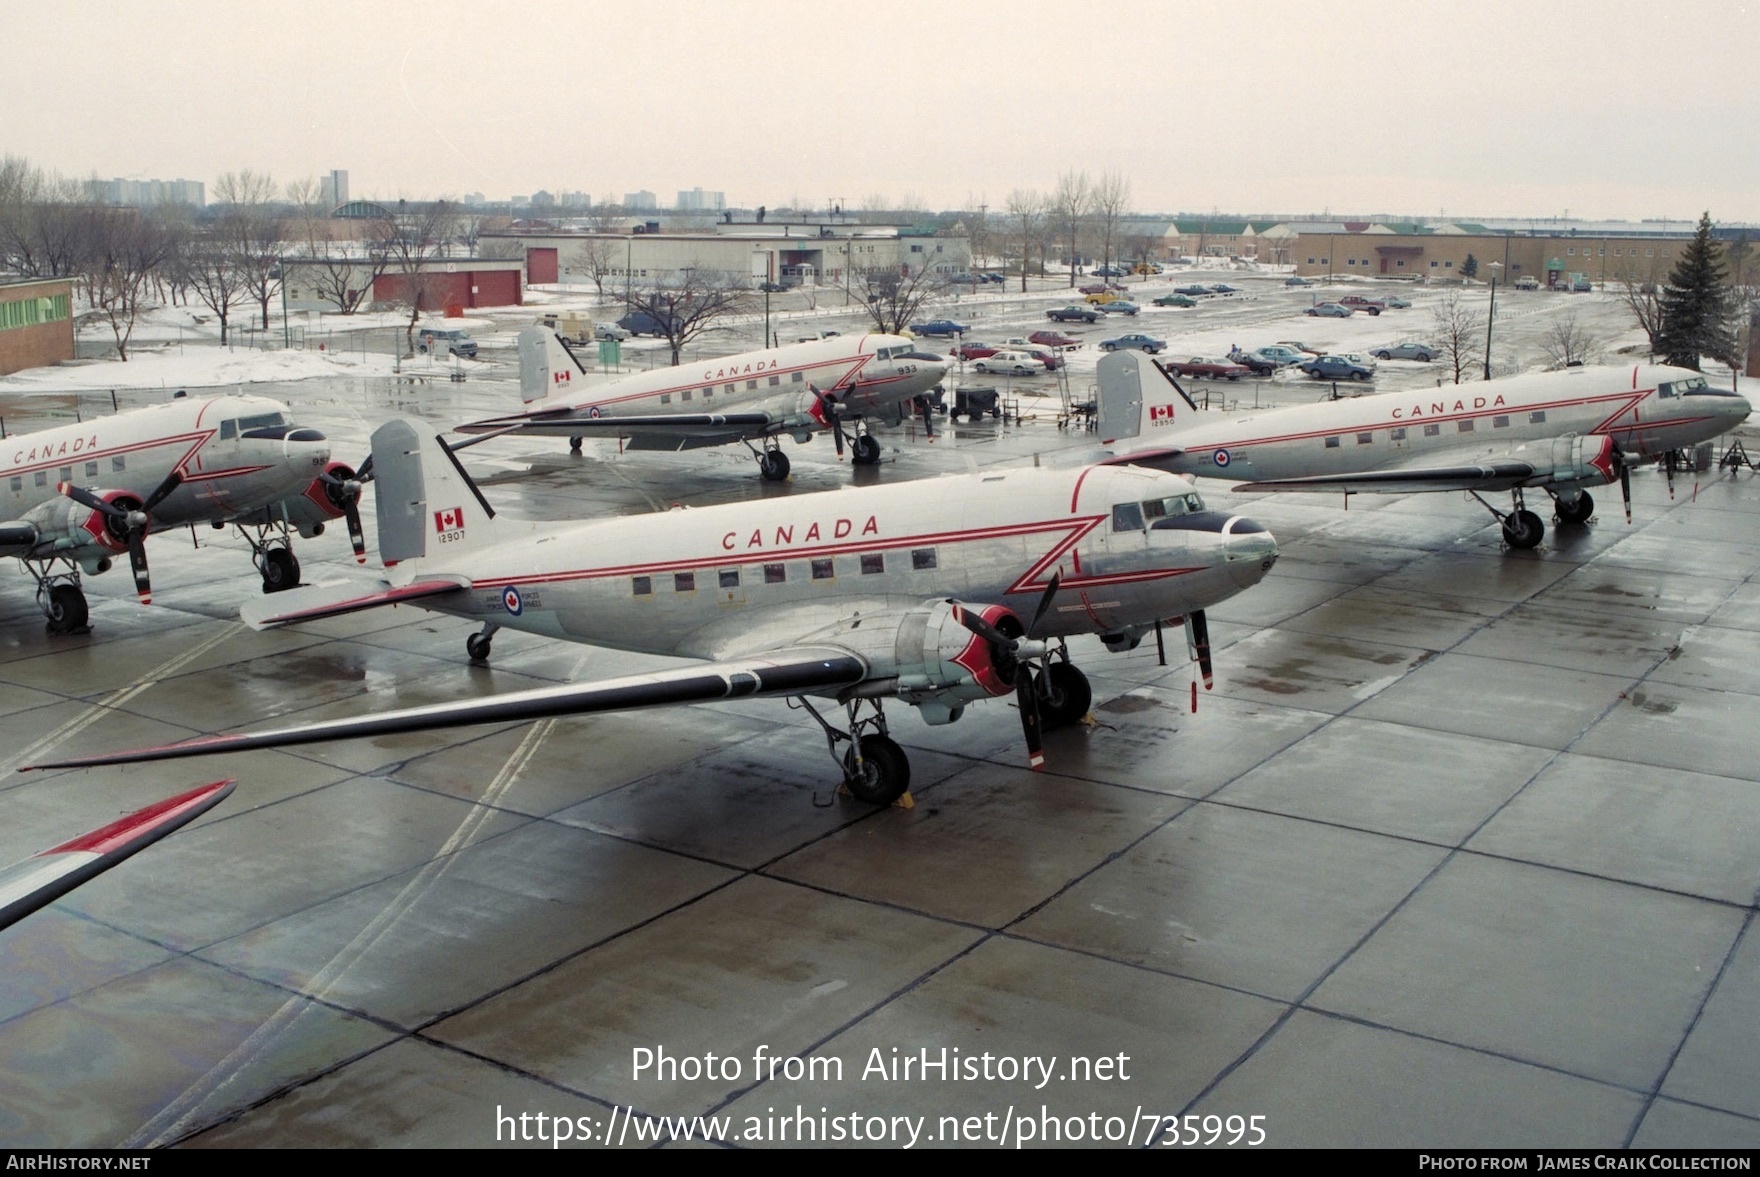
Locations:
(1695, 309)
(1470, 267)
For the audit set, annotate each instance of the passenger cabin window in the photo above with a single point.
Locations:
(1332, 443)
(1465, 426)
(67, 474)
(666, 398)
(1432, 430)
(118, 463)
(873, 563)
(798, 377)
(730, 578)
(18, 482)
(42, 478)
(641, 586)
(1365, 438)
(775, 380)
(751, 386)
(685, 395)
(922, 559)
(1396, 434)
(775, 573)
(1127, 517)
(91, 469)
(1537, 418)
(684, 582)
(729, 389)
(1500, 422)
(707, 393)
(823, 570)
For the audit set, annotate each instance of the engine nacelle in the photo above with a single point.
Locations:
(937, 658)
(102, 529)
(320, 502)
(1584, 459)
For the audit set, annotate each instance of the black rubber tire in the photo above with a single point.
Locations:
(1066, 696)
(773, 465)
(280, 570)
(885, 773)
(478, 647)
(865, 450)
(1523, 530)
(67, 609)
(1577, 512)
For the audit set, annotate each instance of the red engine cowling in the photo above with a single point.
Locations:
(108, 531)
(330, 498)
(935, 654)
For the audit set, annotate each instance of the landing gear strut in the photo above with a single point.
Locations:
(875, 769)
(1522, 529)
(62, 599)
(272, 553)
(477, 645)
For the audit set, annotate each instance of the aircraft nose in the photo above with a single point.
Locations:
(1249, 550)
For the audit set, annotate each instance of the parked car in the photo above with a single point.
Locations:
(975, 351)
(1407, 351)
(1224, 288)
(1101, 298)
(1256, 364)
(458, 343)
(1329, 310)
(1111, 272)
(1205, 367)
(1175, 300)
(1073, 314)
(1527, 282)
(991, 276)
(1582, 286)
(1335, 368)
(771, 287)
(1054, 339)
(1011, 363)
(1357, 302)
(964, 280)
(611, 332)
(940, 327)
(1281, 354)
(1300, 346)
(1045, 355)
(1121, 307)
(1395, 303)
(1146, 268)
(1194, 291)
(1135, 342)
(642, 323)
(1296, 280)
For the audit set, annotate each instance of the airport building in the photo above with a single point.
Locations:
(36, 323)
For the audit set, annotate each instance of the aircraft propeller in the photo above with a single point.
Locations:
(1018, 655)
(346, 494)
(134, 524)
(833, 418)
(1198, 639)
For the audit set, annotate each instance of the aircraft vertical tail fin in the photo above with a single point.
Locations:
(427, 505)
(547, 367)
(1136, 393)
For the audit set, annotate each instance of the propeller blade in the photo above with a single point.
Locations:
(1044, 603)
(928, 412)
(982, 628)
(1026, 692)
(1198, 633)
(351, 512)
(163, 491)
(365, 473)
(137, 561)
(86, 498)
(1625, 489)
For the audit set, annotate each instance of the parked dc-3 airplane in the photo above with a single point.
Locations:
(79, 495)
(796, 390)
(1561, 432)
(44, 877)
(937, 592)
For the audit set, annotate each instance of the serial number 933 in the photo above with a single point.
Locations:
(1196, 1129)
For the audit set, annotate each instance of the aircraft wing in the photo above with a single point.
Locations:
(339, 597)
(44, 877)
(573, 422)
(793, 671)
(17, 539)
(1576, 459)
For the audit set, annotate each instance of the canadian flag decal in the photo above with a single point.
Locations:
(1160, 412)
(452, 520)
(560, 377)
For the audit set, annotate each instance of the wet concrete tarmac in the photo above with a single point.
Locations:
(1460, 851)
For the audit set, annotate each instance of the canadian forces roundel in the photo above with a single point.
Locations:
(1221, 458)
(510, 599)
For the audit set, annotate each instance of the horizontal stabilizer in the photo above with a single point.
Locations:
(44, 877)
(338, 597)
(552, 425)
(787, 672)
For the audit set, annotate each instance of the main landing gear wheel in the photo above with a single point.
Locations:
(280, 570)
(884, 774)
(865, 450)
(773, 465)
(574, 445)
(477, 646)
(67, 609)
(1065, 696)
(1522, 529)
(1577, 512)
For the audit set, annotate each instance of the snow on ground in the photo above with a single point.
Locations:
(201, 365)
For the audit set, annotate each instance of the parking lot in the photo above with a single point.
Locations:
(1459, 851)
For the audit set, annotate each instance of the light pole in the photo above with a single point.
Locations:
(1491, 315)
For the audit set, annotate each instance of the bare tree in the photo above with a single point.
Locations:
(1026, 225)
(1070, 205)
(977, 223)
(689, 304)
(126, 248)
(1112, 199)
(597, 258)
(44, 221)
(418, 238)
(208, 267)
(893, 299)
(251, 227)
(1643, 301)
(1568, 342)
(1460, 335)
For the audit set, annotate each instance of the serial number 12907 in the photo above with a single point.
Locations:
(1196, 1129)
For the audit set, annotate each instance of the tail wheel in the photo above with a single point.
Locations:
(884, 774)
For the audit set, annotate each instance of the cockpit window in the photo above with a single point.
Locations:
(1692, 387)
(263, 421)
(1664, 390)
(1127, 517)
(1186, 504)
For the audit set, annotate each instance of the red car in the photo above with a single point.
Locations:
(1100, 287)
(974, 351)
(1358, 303)
(1206, 368)
(1055, 339)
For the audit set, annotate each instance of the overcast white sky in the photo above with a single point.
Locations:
(1442, 108)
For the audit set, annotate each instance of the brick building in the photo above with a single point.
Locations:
(36, 323)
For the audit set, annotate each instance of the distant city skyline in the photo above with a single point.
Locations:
(1497, 109)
